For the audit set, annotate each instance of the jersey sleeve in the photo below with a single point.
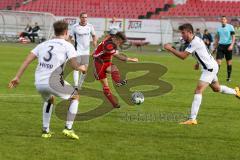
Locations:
(191, 48)
(71, 52)
(36, 50)
(231, 28)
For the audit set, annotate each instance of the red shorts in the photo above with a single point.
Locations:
(100, 69)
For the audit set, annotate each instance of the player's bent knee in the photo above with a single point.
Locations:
(75, 97)
(85, 72)
(114, 68)
(198, 91)
(51, 100)
(86, 69)
(216, 89)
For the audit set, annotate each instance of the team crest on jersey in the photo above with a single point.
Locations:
(189, 46)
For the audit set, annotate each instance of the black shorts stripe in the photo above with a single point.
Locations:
(75, 41)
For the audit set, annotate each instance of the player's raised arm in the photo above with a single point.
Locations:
(182, 55)
(123, 57)
(15, 81)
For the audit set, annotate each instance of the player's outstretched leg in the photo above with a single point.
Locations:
(116, 76)
(237, 92)
(47, 111)
(216, 87)
(107, 92)
(197, 100)
(72, 111)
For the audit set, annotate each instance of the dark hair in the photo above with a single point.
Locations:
(223, 16)
(82, 13)
(121, 35)
(60, 27)
(186, 26)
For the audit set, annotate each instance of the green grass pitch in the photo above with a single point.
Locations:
(115, 136)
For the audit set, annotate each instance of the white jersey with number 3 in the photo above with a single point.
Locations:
(82, 36)
(200, 52)
(51, 55)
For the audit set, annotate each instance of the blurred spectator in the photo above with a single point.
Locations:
(114, 26)
(207, 38)
(34, 32)
(238, 46)
(198, 33)
(27, 31)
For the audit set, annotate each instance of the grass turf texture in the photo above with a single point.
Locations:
(114, 135)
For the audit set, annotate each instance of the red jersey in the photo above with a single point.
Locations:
(105, 50)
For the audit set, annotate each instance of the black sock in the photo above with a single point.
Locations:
(229, 71)
(218, 69)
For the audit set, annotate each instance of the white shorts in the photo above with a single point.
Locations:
(208, 76)
(65, 92)
(83, 59)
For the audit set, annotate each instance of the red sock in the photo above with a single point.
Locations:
(115, 74)
(110, 97)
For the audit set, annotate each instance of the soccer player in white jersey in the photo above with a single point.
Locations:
(52, 55)
(199, 51)
(81, 33)
(114, 26)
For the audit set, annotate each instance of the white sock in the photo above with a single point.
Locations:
(81, 80)
(47, 111)
(72, 111)
(195, 106)
(227, 90)
(75, 77)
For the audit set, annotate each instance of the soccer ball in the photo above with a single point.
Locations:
(137, 98)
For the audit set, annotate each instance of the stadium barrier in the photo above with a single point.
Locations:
(13, 22)
(156, 32)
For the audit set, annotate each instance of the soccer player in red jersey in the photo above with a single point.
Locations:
(103, 63)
